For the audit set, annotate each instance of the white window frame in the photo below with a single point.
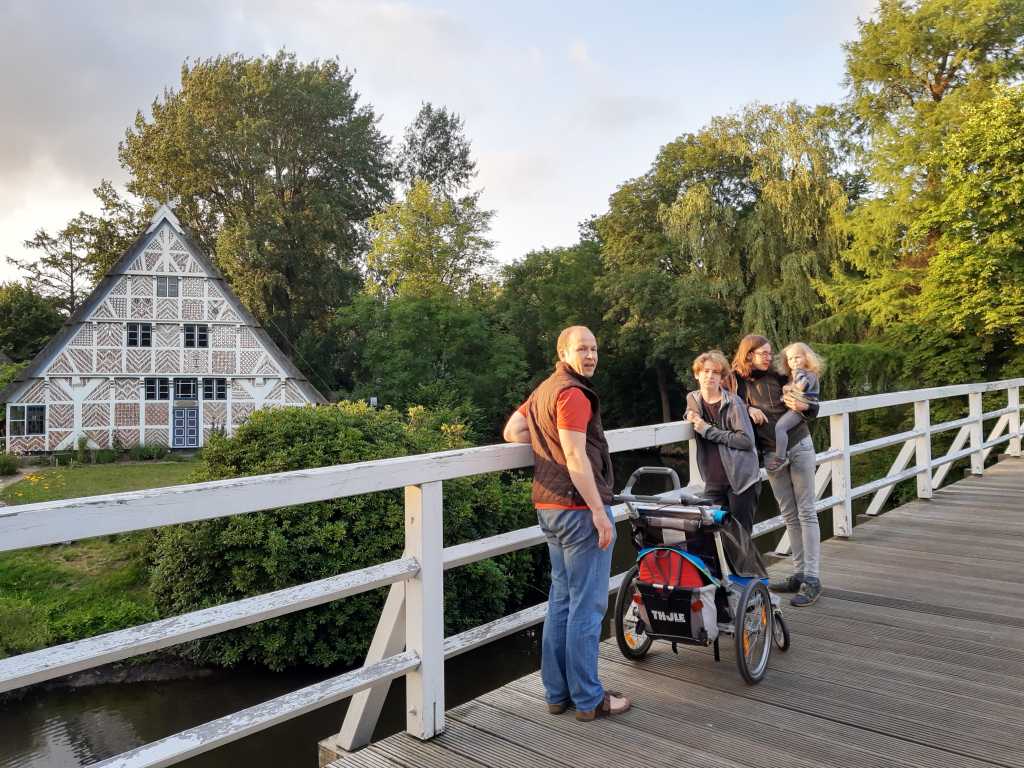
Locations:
(167, 282)
(140, 329)
(24, 420)
(163, 388)
(177, 389)
(217, 386)
(196, 329)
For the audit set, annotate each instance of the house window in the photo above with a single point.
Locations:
(215, 389)
(158, 389)
(167, 286)
(196, 336)
(185, 389)
(140, 335)
(27, 420)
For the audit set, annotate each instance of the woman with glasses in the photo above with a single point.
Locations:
(760, 386)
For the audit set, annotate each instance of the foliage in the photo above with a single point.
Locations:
(276, 165)
(27, 321)
(149, 452)
(8, 464)
(439, 351)
(914, 74)
(209, 563)
(436, 150)
(429, 244)
(974, 284)
(726, 233)
(63, 271)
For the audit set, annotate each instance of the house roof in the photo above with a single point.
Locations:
(163, 214)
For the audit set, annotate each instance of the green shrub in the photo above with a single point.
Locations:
(208, 563)
(81, 447)
(104, 456)
(8, 464)
(152, 452)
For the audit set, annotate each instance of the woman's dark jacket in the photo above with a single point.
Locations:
(763, 390)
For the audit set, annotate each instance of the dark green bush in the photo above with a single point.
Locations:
(8, 464)
(152, 452)
(104, 456)
(209, 563)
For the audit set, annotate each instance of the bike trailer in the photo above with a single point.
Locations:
(677, 595)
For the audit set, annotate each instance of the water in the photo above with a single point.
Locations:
(65, 728)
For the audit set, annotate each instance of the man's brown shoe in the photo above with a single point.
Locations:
(614, 703)
(557, 709)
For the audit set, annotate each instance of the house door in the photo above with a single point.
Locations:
(186, 428)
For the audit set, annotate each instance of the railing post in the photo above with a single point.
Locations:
(923, 448)
(977, 435)
(424, 610)
(691, 451)
(842, 512)
(1013, 401)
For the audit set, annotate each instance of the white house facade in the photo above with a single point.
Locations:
(161, 352)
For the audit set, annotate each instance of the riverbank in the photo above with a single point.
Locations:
(64, 592)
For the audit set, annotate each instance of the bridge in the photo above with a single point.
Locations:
(911, 657)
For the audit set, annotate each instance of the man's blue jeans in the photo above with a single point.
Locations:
(577, 603)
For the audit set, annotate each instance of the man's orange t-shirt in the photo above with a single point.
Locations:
(572, 412)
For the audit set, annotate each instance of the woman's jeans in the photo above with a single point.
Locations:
(793, 486)
(577, 602)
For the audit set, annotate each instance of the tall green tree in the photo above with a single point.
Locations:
(728, 233)
(913, 74)
(429, 244)
(436, 150)
(277, 165)
(27, 321)
(120, 221)
(63, 272)
(973, 285)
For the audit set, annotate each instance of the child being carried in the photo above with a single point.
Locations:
(803, 367)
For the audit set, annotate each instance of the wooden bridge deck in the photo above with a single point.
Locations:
(914, 656)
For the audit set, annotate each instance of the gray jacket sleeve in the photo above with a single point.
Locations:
(740, 434)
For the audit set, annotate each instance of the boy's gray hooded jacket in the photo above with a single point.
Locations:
(732, 435)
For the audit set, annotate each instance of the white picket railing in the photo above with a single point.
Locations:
(409, 638)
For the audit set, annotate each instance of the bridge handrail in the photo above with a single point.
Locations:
(413, 615)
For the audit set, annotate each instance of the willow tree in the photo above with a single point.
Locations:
(914, 73)
(276, 166)
(728, 233)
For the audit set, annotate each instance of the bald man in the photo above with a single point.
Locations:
(572, 491)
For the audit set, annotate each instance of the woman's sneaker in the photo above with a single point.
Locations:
(789, 584)
(810, 591)
(775, 462)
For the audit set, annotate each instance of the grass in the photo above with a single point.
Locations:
(64, 592)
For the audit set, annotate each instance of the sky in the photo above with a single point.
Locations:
(562, 102)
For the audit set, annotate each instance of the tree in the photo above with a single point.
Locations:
(429, 244)
(436, 150)
(913, 74)
(63, 272)
(27, 321)
(974, 283)
(119, 224)
(438, 350)
(727, 233)
(277, 166)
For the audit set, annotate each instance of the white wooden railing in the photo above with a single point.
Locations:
(409, 638)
